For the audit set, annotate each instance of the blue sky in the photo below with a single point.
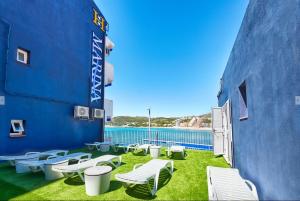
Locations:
(170, 54)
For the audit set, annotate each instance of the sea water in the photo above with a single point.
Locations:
(194, 139)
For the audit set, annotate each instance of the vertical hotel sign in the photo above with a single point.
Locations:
(97, 60)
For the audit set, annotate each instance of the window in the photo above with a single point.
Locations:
(23, 56)
(243, 101)
(17, 128)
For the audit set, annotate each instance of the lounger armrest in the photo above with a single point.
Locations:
(51, 157)
(168, 150)
(252, 188)
(135, 145)
(83, 160)
(137, 165)
(172, 167)
(30, 153)
(89, 156)
(98, 146)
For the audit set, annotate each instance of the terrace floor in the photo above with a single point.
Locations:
(187, 183)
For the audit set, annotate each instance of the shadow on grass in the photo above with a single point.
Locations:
(10, 186)
(143, 191)
(114, 185)
(138, 153)
(74, 181)
(10, 191)
(178, 156)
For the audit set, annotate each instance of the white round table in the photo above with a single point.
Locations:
(97, 180)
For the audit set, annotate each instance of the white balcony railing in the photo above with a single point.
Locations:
(188, 138)
(109, 45)
(109, 74)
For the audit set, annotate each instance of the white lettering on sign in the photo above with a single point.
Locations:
(97, 68)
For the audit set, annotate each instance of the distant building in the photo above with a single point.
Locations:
(177, 123)
(52, 74)
(259, 114)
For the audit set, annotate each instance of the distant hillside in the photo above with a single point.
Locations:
(188, 121)
(142, 121)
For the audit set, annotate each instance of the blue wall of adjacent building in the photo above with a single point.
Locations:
(266, 55)
(58, 34)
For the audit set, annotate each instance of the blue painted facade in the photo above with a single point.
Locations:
(58, 34)
(266, 55)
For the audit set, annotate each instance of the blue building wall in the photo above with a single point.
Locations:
(58, 34)
(266, 55)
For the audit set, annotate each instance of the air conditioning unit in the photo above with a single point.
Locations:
(98, 113)
(81, 112)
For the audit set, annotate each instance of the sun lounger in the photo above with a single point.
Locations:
(176, 149)
(32, 155)
(143, 173)
(144, 147)
(38, 165)
(71, 170)
(227, 184)
(100, 146)
(126, 147)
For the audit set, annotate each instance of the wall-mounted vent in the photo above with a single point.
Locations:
(81, 112)
(98, 113)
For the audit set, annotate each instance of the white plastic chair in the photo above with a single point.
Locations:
(143, 173)
(71, 170)
(31, 156)
(176, 149)
(38, 165)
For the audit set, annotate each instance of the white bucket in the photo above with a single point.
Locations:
(155, 151)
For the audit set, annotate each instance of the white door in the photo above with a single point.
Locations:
(227, 124)
(229, 133)
(218, 132)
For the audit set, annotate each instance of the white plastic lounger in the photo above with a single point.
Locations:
(127, 147)
(100, 146)
(227, 184)
(176, 149)
(38, 165)
(144, 147)
(143, 173)
(32, 155)
(71, 170)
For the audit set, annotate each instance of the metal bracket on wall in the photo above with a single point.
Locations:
(297, 100)
(2, 100)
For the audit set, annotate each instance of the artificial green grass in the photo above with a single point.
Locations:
(187, 183)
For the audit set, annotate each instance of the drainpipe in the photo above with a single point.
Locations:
(7, 50)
